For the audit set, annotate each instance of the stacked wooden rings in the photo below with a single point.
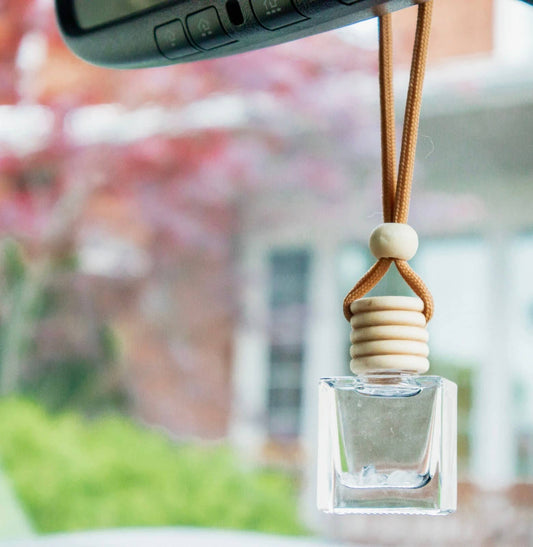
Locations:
(388, 335)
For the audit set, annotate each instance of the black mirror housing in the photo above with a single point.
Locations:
(128, 34)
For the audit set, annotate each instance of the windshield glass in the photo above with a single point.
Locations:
(175, 245)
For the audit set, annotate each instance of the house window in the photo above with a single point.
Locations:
(289, 279)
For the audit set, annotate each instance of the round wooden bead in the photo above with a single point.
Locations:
(380, 363)
(388, 317)
(394, 240)
(378, 303)
(389, 347)
(389, 332)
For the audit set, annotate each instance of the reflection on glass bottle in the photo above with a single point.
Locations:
(387, 444)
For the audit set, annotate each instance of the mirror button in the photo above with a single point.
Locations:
(274, 14)
(172, 41)
(206, 29)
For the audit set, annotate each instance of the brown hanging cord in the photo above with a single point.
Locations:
(397, 193)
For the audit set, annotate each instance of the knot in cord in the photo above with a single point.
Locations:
(397, 191)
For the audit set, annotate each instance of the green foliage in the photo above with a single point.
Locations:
(74, 383)
(13, 267)
(71, 475)
(15, 272)
(66, 375)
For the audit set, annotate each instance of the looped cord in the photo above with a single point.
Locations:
(397, 193)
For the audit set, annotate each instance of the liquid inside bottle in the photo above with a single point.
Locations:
(387, 444)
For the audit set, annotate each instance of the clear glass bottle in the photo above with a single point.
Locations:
(387, 444)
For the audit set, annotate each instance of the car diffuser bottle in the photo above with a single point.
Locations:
(387, 436)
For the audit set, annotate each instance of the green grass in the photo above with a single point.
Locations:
(70, 475)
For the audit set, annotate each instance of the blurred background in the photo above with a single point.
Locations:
(175, 245)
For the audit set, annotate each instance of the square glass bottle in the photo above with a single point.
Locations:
(387, 444)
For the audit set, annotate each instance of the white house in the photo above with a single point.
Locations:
(474, 213)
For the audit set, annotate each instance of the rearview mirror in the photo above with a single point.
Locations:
(144, 33)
